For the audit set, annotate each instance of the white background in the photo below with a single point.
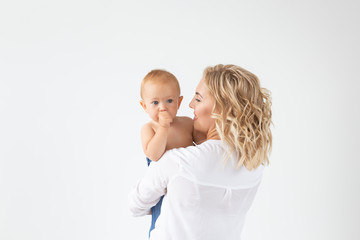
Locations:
(70, 118)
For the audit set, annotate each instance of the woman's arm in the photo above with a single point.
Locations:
(152, 186)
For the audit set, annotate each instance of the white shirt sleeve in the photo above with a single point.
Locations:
(152, 186)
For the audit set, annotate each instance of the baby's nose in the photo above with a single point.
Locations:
(162, 108)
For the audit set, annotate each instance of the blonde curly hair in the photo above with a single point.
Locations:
(242, 113)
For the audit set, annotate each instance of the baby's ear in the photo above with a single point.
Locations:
(180, 100)
(143, 104)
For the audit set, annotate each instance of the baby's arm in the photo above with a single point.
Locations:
(154, 143)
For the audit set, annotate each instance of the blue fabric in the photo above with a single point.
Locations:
(155, 210)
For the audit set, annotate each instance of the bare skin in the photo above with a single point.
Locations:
(166, 134)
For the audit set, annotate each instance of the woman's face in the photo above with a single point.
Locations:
(203, 103)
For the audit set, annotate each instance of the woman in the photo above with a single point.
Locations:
(209, 187)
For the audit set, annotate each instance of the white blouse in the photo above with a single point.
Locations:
(205, 198)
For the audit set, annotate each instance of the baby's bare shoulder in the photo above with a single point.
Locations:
(149, 126)
(185, 122)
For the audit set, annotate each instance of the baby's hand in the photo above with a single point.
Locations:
(165, 119)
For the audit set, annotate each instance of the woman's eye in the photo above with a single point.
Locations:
(155, 102)
(198, 100)
(169, 100)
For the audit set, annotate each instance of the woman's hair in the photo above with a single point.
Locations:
(242, 111)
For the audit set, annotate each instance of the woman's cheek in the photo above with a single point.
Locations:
(206, 120)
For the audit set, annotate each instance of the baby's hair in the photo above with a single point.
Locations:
(159, 76)
(242, 111)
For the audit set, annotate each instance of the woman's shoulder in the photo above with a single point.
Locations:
(198, 153)
(213, 145)
(205, 146)
(211, 163)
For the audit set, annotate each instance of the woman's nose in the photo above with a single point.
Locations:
(191, 104)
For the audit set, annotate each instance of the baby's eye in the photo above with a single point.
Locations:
(155, 102)
(169, 100)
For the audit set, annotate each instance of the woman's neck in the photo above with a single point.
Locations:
(212, 134)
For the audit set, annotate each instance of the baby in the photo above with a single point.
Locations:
(160, 93)
(160, 98)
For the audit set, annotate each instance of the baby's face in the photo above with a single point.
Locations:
(160, 97)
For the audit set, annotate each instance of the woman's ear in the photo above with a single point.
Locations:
(143, 104)
(180, 100)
